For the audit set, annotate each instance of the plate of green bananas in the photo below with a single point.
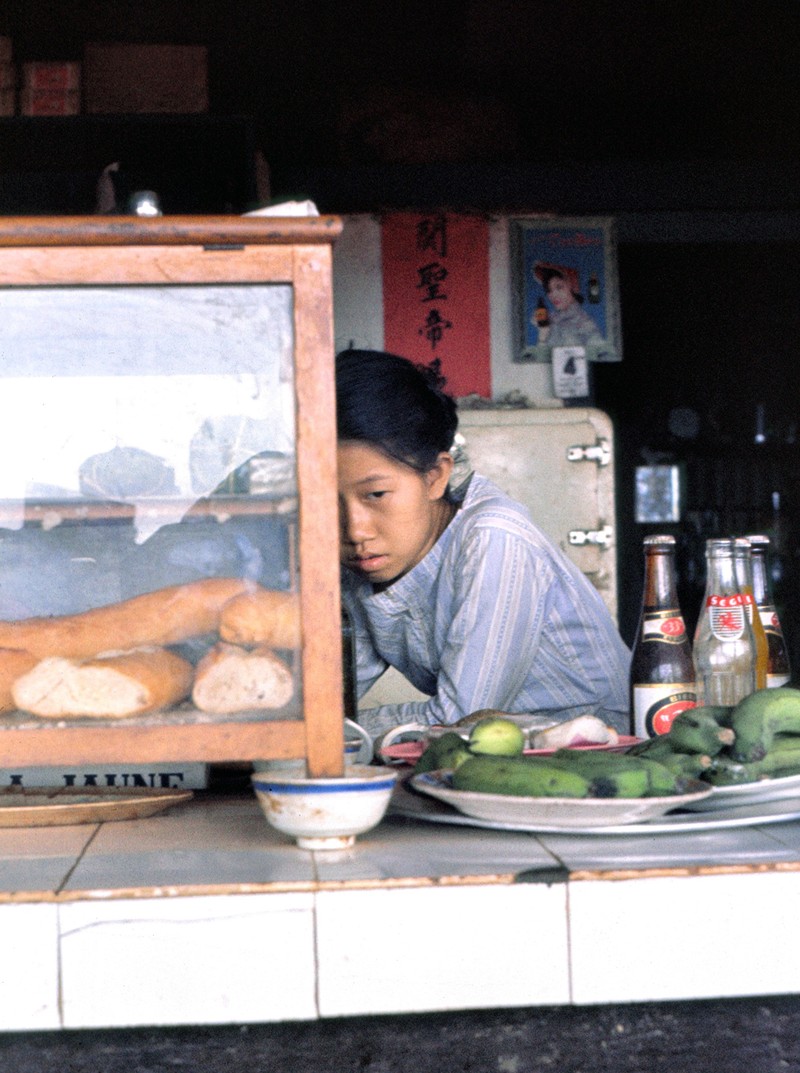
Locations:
(749, 753)
(540, 794)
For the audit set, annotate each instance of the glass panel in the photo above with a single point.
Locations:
(148, 441)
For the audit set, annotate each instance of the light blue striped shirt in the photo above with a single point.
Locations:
(494, 616)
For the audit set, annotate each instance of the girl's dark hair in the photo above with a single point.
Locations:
(394, 405)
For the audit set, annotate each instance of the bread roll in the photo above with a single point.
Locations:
(233, 679)
(262, 617)
(117, 685)
(164, 617)
(13, 664)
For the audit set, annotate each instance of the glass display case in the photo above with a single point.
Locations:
(169, 583)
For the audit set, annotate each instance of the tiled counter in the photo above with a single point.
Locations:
(203, 915)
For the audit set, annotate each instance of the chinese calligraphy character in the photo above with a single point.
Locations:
(435, 325)
(432, 234)
(430, 277)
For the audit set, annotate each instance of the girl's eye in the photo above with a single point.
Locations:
(376, 495)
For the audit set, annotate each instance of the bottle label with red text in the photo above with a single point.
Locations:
(656, 706)
(664, 626)
(770, 621)
(727, 616)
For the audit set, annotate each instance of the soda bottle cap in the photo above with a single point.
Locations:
(721, 546)
(758, 538)
(659, 539)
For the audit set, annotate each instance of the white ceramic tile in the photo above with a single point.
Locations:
(29, 975)
(204, 843)
(741, 845)
(188, 960)
(408, 849)
(705, 936)
(441, 948)
(28, 842)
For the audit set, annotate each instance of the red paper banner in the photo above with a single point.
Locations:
(436, 295)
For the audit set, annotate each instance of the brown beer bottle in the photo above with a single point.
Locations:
(779, 670)
(662, 680)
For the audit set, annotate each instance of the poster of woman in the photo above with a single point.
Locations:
(567, 288)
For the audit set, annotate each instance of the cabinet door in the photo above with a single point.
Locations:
(164, 411)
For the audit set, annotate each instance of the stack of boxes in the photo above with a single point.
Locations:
(50, 88)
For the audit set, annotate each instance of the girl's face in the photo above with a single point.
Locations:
(390, 516)
(559, 293)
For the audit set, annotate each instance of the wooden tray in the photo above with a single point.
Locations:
(65, 806)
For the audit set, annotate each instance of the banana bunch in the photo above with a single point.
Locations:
(756, 739)
(491, 761)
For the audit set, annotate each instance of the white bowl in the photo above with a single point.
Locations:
(324, 813)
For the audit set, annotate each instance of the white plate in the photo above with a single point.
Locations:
(750, 793)
(561, 813)
(422, 807)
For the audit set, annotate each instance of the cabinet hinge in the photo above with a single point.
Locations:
(599, 452)
(601, 537)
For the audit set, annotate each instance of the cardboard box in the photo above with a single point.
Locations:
(8, 102)
(42, 74)
(8, 76)
(49, 101)
(119, 78)
(5, 49)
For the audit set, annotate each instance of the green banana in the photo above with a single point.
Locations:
(760, 716)
(620, 774)
(696, 731)
(661, 749)
(531, 776)
(776, 763)
(610, 774)
(448, 751)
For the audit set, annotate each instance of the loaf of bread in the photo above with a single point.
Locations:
(116, 685)
(164, 617)
(234, 679)
(13, 664)
(262, 617)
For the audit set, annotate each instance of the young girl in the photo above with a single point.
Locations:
(463, 594)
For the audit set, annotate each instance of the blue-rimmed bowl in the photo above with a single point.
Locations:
(325, 813)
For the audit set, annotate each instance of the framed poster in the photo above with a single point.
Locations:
(565, 289)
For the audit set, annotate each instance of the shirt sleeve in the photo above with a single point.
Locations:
(488, 631)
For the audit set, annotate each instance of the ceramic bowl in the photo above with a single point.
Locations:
(324, 813)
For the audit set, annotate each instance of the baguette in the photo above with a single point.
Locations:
(116, 685)
(262, 617)
(164, 617)
(13, 664)
(233, 679)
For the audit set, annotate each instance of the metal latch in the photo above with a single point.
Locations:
(592, 536)
(599, 452)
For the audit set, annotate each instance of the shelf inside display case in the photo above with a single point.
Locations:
(167, 410)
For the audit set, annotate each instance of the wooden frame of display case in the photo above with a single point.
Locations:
(75, 251)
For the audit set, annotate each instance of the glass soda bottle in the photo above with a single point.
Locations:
(744, 579)
(662, 679)
(724, 647)
(779, 670)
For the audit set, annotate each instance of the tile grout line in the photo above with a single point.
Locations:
(59, 936)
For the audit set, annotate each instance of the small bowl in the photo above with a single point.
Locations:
(325, 813)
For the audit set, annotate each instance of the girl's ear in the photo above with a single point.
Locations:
(439, 474)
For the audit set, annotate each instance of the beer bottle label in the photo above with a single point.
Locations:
(655, 706)
(726, 616)
(770, 621)
(665, 626)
